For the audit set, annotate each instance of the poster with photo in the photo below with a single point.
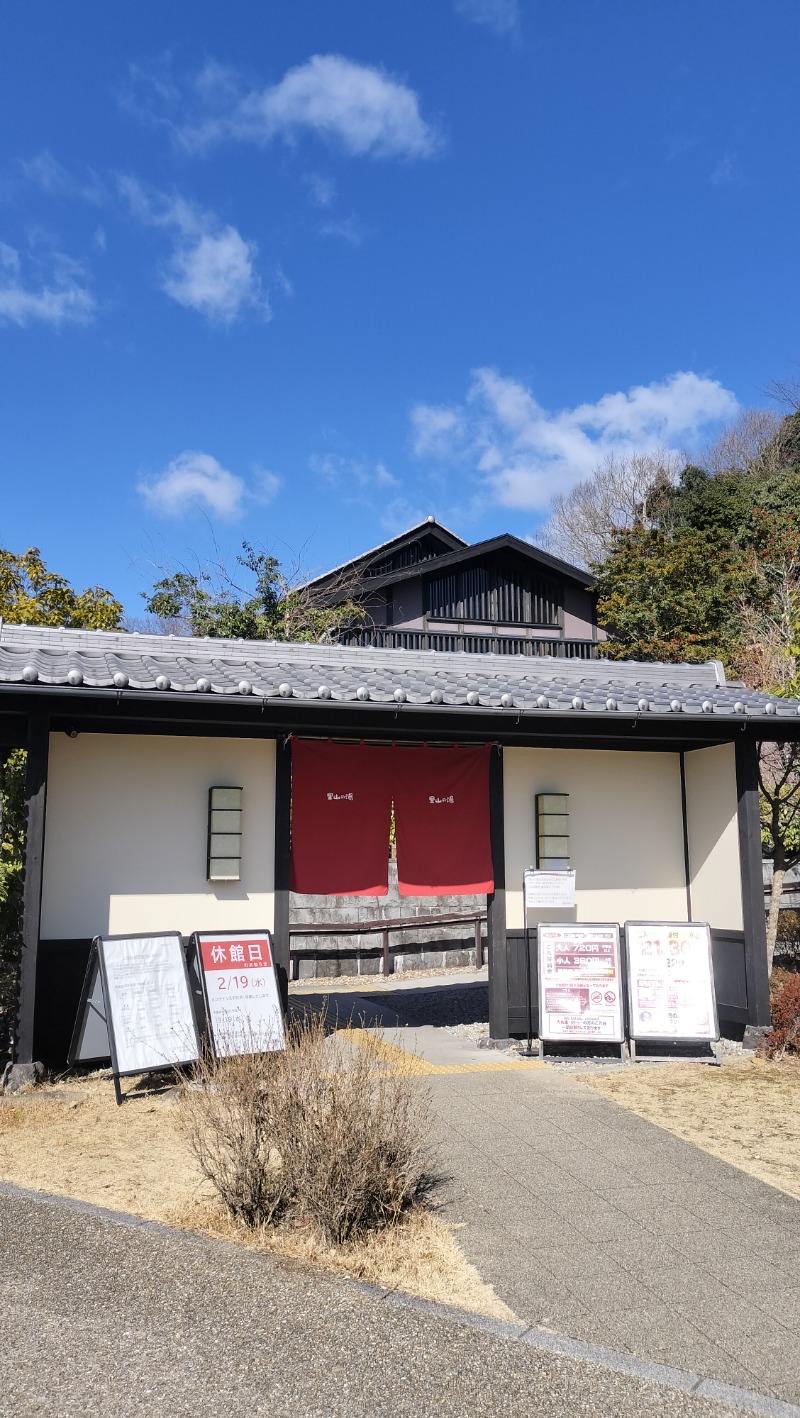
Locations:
(241, 992)
(670, 981)
(580, 983)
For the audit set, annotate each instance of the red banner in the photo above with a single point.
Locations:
(341, 812)
(441, 808)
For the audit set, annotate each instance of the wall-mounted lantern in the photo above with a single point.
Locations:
(224, 834)
(552, 831)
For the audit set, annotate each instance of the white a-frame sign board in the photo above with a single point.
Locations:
(136, 1006)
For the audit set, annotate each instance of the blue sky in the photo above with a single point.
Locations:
(305, 272)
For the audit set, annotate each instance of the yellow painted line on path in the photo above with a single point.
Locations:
(403, 1061)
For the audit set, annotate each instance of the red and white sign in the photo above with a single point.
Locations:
(244, 1007)
(670, 980)
(580, 983)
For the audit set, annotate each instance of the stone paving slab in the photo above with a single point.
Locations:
(621, 1234)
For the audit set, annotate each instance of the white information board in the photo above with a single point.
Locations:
(544, 889)
(670, 981)
(580, 983)
(241, 992)
(149, 1007)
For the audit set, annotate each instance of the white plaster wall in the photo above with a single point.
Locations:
(125, 843)
(713, 833)
(626, 830)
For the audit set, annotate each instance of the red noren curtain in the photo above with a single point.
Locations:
(341, 811)
(441, 808)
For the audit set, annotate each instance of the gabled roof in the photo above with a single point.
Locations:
(430, 527)
(505, 542)
(335, 677)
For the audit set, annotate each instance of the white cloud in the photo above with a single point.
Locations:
(524, 453)
(54, 293)
(211, 269)
(359, 107)
(194, 481)
(322, 189)
(502, 16)
(350, 229)
(349, 472)
(266, 486)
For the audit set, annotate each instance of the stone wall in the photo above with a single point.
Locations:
(351, 953)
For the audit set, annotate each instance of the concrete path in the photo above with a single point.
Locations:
(115, 1319)
(596, 1224)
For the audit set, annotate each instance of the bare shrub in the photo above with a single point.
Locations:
(321, 1132)
(785, 1034)
(355, 1136)
(228, 1115)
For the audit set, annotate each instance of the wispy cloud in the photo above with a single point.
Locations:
(351, 472)
(211, 269)
(197, 482)
(322, 190)
(501, 16)
(359, 108)
(44, 171)
(45, 289)
(523, 453)
(725, 172)
(350, 229)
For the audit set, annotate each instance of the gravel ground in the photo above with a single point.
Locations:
(103, 1318)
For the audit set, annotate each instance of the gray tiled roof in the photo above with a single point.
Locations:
(169, 665)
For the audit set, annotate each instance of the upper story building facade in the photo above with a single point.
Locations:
(428, 589)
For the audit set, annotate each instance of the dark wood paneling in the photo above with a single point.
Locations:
(497, 591)
(496, 903)
(283, 822)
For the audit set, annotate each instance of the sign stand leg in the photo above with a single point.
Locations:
(117, 1090)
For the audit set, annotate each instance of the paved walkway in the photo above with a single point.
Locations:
(594, 1223)
(120, 1320)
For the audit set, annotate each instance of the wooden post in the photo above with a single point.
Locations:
(755, 930)
(283, 857)
(496, 903)
(385, 951)
(478, 944)
(38, 746)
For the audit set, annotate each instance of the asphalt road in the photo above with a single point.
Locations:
(102, 1317)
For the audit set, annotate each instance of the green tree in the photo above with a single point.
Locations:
(32, 595)
(264, 606)
(669, 597)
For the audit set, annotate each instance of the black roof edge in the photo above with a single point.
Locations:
(506, 541)
(384, 548)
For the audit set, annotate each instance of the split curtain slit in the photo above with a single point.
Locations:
(342, 797)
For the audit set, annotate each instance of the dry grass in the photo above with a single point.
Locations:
(72, 1140)
(747, 1112)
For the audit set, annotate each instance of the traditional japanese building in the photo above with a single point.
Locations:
(127, 736)
(429, 590)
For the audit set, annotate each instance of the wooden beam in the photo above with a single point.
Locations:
(755, 932)
(496, 903)
(283, 820)
(38, 746)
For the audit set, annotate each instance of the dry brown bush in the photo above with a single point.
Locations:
(321, 1132)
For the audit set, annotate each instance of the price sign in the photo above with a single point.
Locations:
(580, 983)
(151, 1023)
(546, 889)
(670, 981)
(241, 992)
